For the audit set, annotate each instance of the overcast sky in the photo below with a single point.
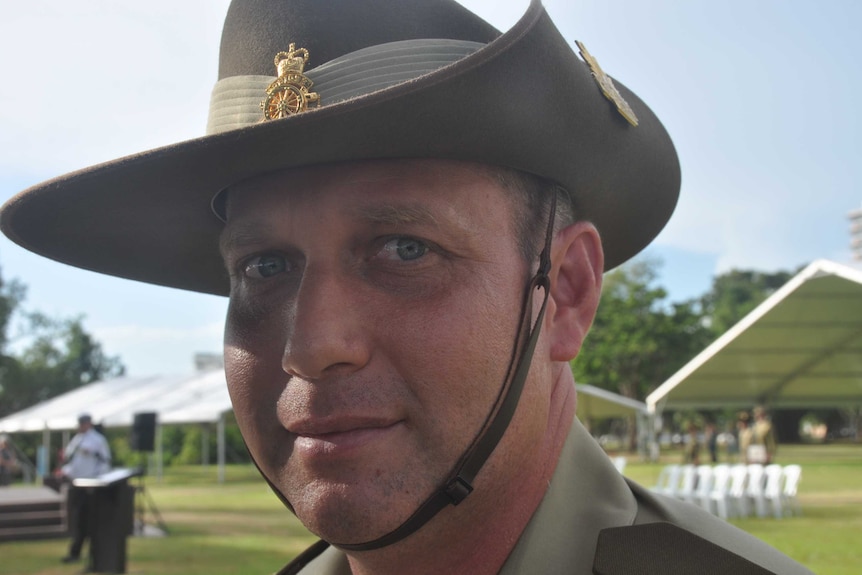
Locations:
(760, 97)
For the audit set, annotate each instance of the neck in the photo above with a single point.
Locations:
(455, 541)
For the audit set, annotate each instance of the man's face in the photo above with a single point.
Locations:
(372, 316)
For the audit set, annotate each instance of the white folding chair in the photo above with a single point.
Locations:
(717, 502)
(772, 489)
(754, 489)
(668, 480)
(688, 478)
(792, 475)
(620, 463)
(737, 496)
(703, 486)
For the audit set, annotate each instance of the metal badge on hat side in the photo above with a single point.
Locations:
(607, 85)
(291, 92)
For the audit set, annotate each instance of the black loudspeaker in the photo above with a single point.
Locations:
(143, 432)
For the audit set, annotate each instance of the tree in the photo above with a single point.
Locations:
(735, 293)
(11, 295)
(59, 354)
(638, 339)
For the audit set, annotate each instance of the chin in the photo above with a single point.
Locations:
(352, 512)
(342, 517)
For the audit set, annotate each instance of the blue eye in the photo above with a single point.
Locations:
(265, 266)
(405, 249)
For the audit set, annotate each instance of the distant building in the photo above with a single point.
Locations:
(855, 217)
(208, 361)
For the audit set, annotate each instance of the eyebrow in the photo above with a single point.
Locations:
(239, 235)
(389, 214)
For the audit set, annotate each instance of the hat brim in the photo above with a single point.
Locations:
(524, 101)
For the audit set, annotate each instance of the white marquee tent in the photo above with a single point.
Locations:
(802, 347)
(198, 398)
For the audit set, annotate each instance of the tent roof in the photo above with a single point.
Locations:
(597, 403)
(802, 347)
(197, 398)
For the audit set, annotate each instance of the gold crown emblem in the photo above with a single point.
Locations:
(291, 61)
(291, 92)
(607, 86)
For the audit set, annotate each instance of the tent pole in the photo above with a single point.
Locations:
(221, 447)
(205, 444)
(46, 444)
(652, 442)
(654, 416)
(159, 453)
(643, 435)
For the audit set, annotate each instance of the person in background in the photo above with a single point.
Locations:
(8, 461)
(711, 437)
(732, 444)
(87, 455)
(744, 434)
(764, 444)
(692, 444)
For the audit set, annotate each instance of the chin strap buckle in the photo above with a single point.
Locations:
(458, 490)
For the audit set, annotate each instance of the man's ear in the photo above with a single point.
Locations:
(577, 262)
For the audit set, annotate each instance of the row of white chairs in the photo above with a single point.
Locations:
(734, 490)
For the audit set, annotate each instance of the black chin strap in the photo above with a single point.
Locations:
(460, 481)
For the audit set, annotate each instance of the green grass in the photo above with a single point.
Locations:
(241, 527)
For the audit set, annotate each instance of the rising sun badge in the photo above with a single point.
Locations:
(607, 86)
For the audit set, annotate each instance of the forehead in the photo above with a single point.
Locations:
(414, 185)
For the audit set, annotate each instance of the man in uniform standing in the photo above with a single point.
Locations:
(763, 439)
(411, 214)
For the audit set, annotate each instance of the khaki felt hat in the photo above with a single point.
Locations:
(393, 79)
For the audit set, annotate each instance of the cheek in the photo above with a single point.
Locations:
(254, 389)
(255, 332)
(250, 316)
(455, 354)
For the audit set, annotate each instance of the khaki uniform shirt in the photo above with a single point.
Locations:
(745, 437)
(586, 495)
(764, 434)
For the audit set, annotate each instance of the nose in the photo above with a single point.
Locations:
(327, 332)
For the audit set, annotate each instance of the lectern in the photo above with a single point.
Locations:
(111, 518)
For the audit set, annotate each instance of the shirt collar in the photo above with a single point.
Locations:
(586, 494)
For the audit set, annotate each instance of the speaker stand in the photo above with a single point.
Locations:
(144, 503)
